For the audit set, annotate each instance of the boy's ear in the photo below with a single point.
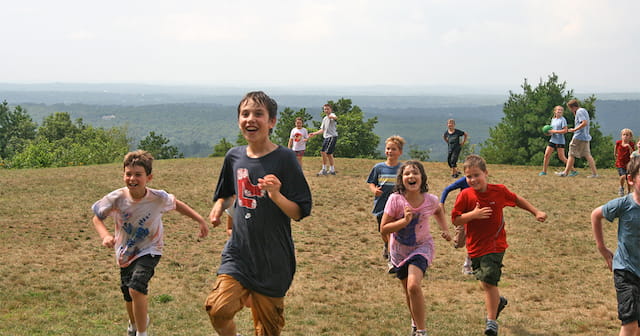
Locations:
(149, 177)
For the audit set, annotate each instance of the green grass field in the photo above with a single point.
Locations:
(58, 280)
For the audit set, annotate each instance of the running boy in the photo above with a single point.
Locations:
(298, 139)
(406, 219)
(452, 138)
(622, 152)
(479, 209)
(137, 212)
(625, 263)
(258, 261)
(382, 180)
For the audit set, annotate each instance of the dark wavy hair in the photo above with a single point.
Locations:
(424, 186)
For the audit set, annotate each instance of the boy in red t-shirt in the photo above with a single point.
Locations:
(479, 209)
(624, 147)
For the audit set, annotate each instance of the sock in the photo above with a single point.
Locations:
(332, 168)
(131, 326)
(324, 167)
(144, 333)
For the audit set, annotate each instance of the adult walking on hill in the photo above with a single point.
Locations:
(452, 137)
(329, 130)
(581, 141)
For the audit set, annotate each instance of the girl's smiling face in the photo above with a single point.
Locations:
(411, 179)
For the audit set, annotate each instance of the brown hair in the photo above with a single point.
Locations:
(261, 98)
(573, 103)
(633, 167)
(474, 160)
(140, 158)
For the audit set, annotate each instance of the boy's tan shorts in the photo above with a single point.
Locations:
(228, 297)
(579, 148)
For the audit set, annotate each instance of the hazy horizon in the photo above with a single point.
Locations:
(486, 47)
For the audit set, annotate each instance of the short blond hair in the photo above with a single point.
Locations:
(628, 131)
(397, 140)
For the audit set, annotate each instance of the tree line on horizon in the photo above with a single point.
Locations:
(517, 139)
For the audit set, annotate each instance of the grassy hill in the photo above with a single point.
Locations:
(58, 280)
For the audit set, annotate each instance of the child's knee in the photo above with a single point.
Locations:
(220, 314)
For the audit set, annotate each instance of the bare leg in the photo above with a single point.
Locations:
(415, 297)
(492, 299)
(561, 155)
(592, 165)
(140, 309)
(547, 156)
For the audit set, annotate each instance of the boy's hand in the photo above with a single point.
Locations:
(270, 183)
(378, 191)
(214, 216)
(608, 257)
(541, 216)
(481, 213)
(108, 241)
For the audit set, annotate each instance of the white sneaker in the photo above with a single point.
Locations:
(467, 270)
(593, 176)
(621, 191)
(322, 172)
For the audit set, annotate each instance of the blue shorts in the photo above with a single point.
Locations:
(329, 145)
(417, 260)
(622, 171)
(137, 275)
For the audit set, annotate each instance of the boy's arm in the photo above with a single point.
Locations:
(186, 210)
(522, 203)
(464, 139)
(218, 207)
(272, 185)
(290, 143)
(596, 225)
(107, 238)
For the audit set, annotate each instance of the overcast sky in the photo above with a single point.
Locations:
(592, 45)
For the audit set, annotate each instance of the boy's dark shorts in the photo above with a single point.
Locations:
(137, 275)
(628, 294)
(329, 145)
(420, 261)
(622, 171)
(488, 268)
